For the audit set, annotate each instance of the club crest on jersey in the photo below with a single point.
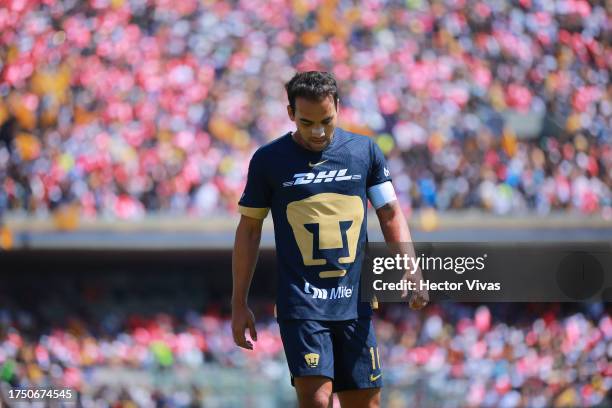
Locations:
(312, 359)
(321, 177)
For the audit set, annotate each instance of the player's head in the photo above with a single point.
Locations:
(313, 106)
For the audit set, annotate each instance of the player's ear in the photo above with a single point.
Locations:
(290, 113)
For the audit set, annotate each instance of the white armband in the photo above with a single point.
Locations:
(381, 194)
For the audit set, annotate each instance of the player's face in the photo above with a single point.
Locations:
(315, 121)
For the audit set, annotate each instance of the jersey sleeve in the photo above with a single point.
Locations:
(379, 171)
(255, 200)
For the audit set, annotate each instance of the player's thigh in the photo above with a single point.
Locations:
(365, 398)
(308, 347)
(314, 391)
(356, 356)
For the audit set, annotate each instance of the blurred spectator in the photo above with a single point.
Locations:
(135, 106)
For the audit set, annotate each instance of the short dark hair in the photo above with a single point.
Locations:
(312, 85)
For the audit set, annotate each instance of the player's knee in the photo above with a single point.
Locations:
(319, 399)
(374, 401)
(314, 392)
(362, 398)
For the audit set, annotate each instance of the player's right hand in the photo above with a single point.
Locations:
(243, 318)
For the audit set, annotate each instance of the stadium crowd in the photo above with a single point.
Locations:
(449, 355)
(134, 106)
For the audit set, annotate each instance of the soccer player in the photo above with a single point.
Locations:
(317, 181)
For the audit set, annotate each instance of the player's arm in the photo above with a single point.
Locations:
(244, 259)
(392, 221)
(254, 206)
(397, 234)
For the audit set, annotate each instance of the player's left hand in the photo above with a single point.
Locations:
(419, 299)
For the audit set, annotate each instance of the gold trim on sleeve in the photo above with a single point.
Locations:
(252, 212)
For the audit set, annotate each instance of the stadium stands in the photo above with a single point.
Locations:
(129, 107)
(450, 353)
(154, 328)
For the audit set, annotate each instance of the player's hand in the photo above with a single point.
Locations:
(418, 299)
(243, 318)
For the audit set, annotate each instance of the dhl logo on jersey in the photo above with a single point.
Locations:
(321, 177)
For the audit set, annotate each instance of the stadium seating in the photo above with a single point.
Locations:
(128, 107)
(551, 356)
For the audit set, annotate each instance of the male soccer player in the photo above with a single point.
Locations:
(316, 181)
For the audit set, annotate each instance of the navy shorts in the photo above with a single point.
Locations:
(344, 351)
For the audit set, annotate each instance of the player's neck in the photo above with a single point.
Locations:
(298, 139)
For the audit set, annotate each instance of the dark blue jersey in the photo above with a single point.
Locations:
(318, 202)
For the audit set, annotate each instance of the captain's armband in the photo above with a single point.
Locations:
(381, 194)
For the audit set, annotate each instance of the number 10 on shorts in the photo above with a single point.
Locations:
(375, 358)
